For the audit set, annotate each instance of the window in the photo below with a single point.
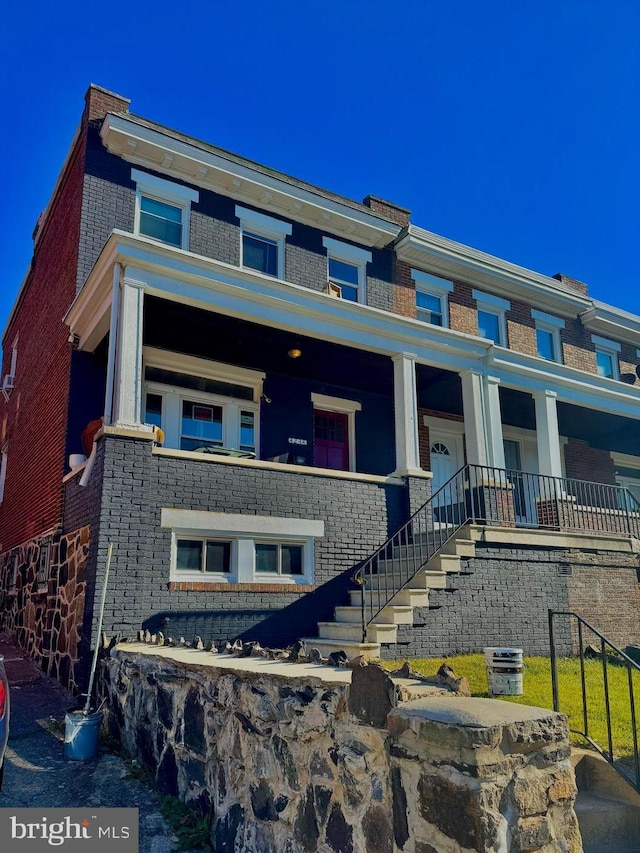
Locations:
(212, 556)
(231, 548)
(279, 558)
(44, 562)
(12, 573)
(548, 335)
(432, 304)
(607, 357)
(491, 317)
(163, 209)
(262, 241)
(202, 406)
(347, 269)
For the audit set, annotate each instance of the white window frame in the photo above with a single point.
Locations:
(343, 407)
(44, 566)
(610, 348)
(174, 395)
(263, 226)
(168, 192)
(243, 531)
(490, 304)
(549, 323)
(353, 255)
(433, 285)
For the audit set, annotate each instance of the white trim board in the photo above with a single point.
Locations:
(223, 522)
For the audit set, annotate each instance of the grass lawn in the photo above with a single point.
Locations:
(537, 691)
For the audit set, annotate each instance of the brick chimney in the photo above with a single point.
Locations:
(572, 283)
(101, 101)
(397, 214)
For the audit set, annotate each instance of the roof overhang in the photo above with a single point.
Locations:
(185, 161)
(612, 323)
(446, 258)
(226, 289)
(211, 285)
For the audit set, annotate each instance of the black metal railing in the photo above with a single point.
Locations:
(627, 765)
(480, 494)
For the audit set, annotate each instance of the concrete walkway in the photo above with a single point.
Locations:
(36, 774)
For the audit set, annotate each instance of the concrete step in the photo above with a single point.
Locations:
(458, 547)
(410, 597)
(370, 651)
(392, 613)
(607, 807)
(404, 567)
(352, 632)
(607, 826)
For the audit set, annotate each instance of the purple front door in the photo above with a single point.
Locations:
(330, 441)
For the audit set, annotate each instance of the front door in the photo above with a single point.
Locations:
(525, 487)
(330, 440)
(445, 456)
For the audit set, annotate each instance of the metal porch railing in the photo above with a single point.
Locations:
(478, 494)
(610, 656)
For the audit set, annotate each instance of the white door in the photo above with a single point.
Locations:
(445, 456)
(525, 487)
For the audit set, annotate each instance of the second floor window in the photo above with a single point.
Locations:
(161, 221)
(548, 335)
(163, 209)
(432, 304)
(262, 241)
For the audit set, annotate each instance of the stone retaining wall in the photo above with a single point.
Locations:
(45, 613)
(297, 757)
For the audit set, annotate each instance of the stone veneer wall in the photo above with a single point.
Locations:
(290, 762)
(47, 619)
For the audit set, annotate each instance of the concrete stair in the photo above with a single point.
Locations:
(344, 632)
(607, 807)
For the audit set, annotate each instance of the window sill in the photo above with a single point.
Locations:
(207, 586)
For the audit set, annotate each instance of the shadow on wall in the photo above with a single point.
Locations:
(275, 628)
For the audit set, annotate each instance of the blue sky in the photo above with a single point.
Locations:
(510, 126)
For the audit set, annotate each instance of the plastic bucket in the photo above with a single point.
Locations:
(505, 671)
(81, 734)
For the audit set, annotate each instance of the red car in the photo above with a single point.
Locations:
(4, 715)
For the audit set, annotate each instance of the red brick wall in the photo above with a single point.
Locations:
(583, 462)
(34, 420)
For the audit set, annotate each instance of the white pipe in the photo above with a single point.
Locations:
(97, 648)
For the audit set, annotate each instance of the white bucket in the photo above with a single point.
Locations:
(505, 671)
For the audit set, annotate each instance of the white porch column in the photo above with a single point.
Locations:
(405, 398)
(127, 398)
(493, 422)
(473, 408)
(547, 433)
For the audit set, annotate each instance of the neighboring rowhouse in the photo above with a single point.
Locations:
(267, 378)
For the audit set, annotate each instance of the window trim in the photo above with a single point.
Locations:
(490, 304)
(341, 406)
(433, 285)
(44, 557)
(244, 531)
(264, 226)
(352, 255)
(610, 348)
(168, 192)
(551, 324)
(173, 395)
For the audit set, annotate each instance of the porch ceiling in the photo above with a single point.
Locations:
(600, 429)
(193, 331)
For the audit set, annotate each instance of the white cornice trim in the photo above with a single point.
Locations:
(443, 257)
(263, 223)
(187, 162)
(612, 323)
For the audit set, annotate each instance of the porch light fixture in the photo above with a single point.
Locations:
(294, 353)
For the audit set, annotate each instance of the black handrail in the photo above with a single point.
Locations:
(480, 494)
(621, 657)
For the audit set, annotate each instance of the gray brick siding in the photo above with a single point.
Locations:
(136, 485)
(503, 595)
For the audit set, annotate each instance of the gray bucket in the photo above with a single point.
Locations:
(81, 734)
